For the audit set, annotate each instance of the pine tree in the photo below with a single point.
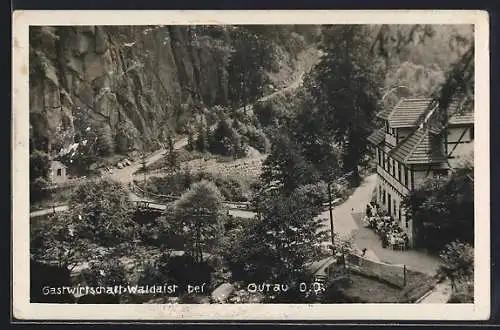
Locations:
(190, 142)
(171, 156)
(345, 91)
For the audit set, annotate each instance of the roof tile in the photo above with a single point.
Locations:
(418, 148)
(377, 136)
(408, 112)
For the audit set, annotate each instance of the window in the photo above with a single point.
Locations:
(406, 177)
(407, 220)
(378, 156)
(383, 161)
(399, 172)
(383, 197)
(471, 131)
(395, 209)
(59, 172)
(393, 168)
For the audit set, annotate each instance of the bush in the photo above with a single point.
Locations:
(412, 293)
(224, 140)
(264, 112)
(184, 270)
(38, 189)
(42, 275)
(317, 193)
(464, 293)
(258, 140)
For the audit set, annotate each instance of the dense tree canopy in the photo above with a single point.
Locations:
(39, 174)
(345, 88)
(286, 167)
(39, 165)
(442, 208)
(247, 67)
(278, 244)
(105, 212)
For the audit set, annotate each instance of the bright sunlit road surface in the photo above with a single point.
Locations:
(39, 213)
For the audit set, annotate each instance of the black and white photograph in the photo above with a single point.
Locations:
(316, 162)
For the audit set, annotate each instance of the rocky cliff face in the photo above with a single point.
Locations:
(133, 82)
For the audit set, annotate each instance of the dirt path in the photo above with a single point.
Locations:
(440, 295)
(343, 221)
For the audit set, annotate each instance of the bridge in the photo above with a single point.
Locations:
(236, 209)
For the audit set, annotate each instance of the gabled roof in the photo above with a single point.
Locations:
(464, 118)
(377, 136)
(384, 114)
(418, 148)
(458, 114)
(408, 112)
(56, 163)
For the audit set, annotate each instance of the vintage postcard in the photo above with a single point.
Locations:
(251, 165)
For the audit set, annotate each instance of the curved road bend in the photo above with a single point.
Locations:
(125, 175)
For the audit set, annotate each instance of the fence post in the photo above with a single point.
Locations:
(404, 275)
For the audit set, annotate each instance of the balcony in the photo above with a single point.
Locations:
(390, 139)
(392, 181)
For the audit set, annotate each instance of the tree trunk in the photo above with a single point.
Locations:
(199, 255)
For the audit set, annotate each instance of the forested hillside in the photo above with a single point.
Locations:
(128, 88)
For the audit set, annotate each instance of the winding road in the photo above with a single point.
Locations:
(126, 174)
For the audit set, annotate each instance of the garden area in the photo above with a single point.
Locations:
(233, 188)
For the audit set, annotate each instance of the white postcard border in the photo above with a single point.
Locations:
(23, 309)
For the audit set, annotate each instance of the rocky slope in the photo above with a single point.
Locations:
(133, 82)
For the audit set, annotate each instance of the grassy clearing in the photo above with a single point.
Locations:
(185, 156)
(365, 289)
(418, 284)
(233, 188)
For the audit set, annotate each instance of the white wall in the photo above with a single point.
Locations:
(58, 179)
(454, 134)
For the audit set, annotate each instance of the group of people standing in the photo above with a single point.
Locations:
(386, 227)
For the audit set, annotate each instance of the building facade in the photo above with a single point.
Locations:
(412, 145)
(58, 172)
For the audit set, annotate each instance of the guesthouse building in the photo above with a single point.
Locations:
(418, 139)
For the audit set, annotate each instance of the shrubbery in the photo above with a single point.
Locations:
(232, 188)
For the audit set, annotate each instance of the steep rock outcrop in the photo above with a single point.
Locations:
(132, 79)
